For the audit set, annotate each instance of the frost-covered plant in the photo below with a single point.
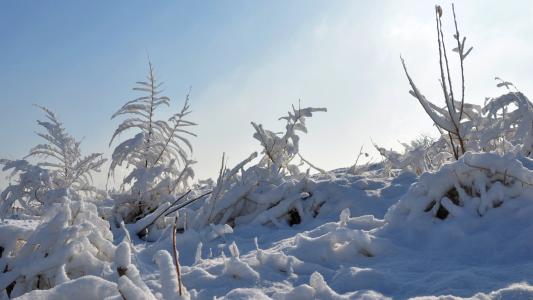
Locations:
(508, 125)
(64, 167)
(420, 155)
(159, 154)
(32, 183)
(503, 124)
(72, 241)
(451, 119)
(280, 149)
(68, 167)
(272, 191)
(474, 184)
(231, 186)
(358, 168)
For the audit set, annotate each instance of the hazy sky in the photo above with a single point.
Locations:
(248, 61)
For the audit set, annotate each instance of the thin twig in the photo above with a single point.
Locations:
(186, 203)
(460, 49)
(311, 165)
(175, 256)
(449, 98)
(161, 213)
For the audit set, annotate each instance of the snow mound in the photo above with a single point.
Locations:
(474, 184)
(84, 288)
(71, 242)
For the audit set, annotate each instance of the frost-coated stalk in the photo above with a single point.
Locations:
(163, 212)
(175, 256)
(151, 114)
(311, 165)
(460, 48)
(448, 96)
(178, 207)
(448, 118)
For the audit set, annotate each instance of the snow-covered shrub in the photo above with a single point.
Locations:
(503, 124)
(32, 183)
(63, 168)
(268, 192)
(158, 154)
(474, 184)
(72, 241)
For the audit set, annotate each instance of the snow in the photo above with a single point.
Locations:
(374, 238)
(370, 249)
(371, 240)
(83, 288)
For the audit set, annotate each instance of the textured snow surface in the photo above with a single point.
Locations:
(372, 240)
(84, 288)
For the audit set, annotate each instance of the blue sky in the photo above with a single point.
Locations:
(246, 61)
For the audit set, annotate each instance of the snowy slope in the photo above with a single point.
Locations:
(362, 245)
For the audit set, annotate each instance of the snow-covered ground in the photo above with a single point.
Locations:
(369, 241)
(350, 251)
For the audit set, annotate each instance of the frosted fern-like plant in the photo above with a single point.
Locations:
(159, 153)
(70, 169)
(61, 167)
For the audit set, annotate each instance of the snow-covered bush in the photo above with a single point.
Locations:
(72, 241)
(63, 168)
(503, 124)
(158, 155)
(267, 192)
(474, 184)
(28, 192)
